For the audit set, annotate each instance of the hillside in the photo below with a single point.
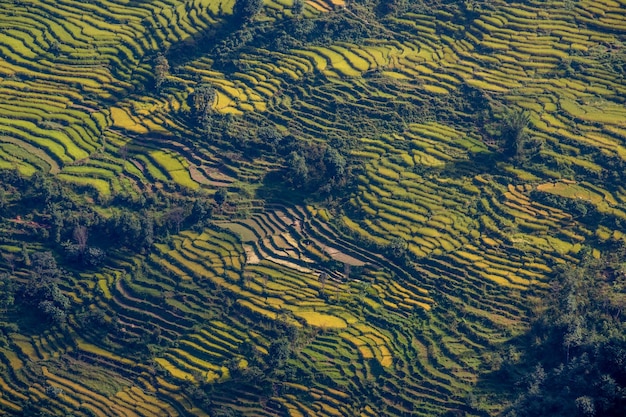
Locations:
(296, 208)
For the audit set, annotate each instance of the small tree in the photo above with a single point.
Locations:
(265, 279)
(58, 221)
(398, 247)
(322, 279)
(176, 216)
(4, 200)
(270, 136)
(25, 255)
(335, 164)
(513, 132)
(221, 196)
(202, 102)
(161, 71)
(10, 259)
(7, 291)
(81, 235)
(246, 280)
(147, 230)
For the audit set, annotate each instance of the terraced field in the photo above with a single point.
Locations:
(391, 293)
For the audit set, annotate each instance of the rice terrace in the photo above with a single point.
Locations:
(313, 208)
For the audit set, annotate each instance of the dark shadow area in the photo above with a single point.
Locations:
(571, 360)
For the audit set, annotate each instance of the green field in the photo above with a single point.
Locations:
(296, 208)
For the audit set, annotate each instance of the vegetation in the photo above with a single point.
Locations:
(312, 208)
(572, 357)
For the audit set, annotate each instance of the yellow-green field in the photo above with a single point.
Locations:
(391, 292)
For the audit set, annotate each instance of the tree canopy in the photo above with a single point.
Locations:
(574, 357)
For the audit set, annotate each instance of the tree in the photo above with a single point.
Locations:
(161, 71)
(7, 291)
(44, 267)
(322, 279)
(25, 255)
(202, 102)
(245, 10)
(279, 352)
(81, 235)
(270, 136)
(513, 132)
(297, 173)
(221, 196)
(576, 349)
(387, 7)
(54, 312)
(246, 279)
(335, 164)
(398, 247)
(42, 290)
(10, 258)
(298, 7)
(127, 227)
(147, 230)
(176, 216)
(264, 279)
(58, 221)
(4, 200)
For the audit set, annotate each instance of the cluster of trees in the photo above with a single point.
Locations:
(317, 167)
(41, 292)
(245, 10)
(573, 360)
(68, 223)
(582, 210)
(201, 103)
(313, 167)
(258, 374)
(245, 31)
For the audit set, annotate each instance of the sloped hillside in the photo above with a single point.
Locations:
(294, 208)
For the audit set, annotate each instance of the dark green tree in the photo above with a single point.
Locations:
(245, 10)
(4, 198)
(514, 133)
(279, 352)
(58, 221)
(7, 291)
(147, 230)
(42, 290)
(335, 165)
(221, 196)
(398, 247)
(576, 349)
(270, 136)
(201, 103)
(297, 174)
(298, 7)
